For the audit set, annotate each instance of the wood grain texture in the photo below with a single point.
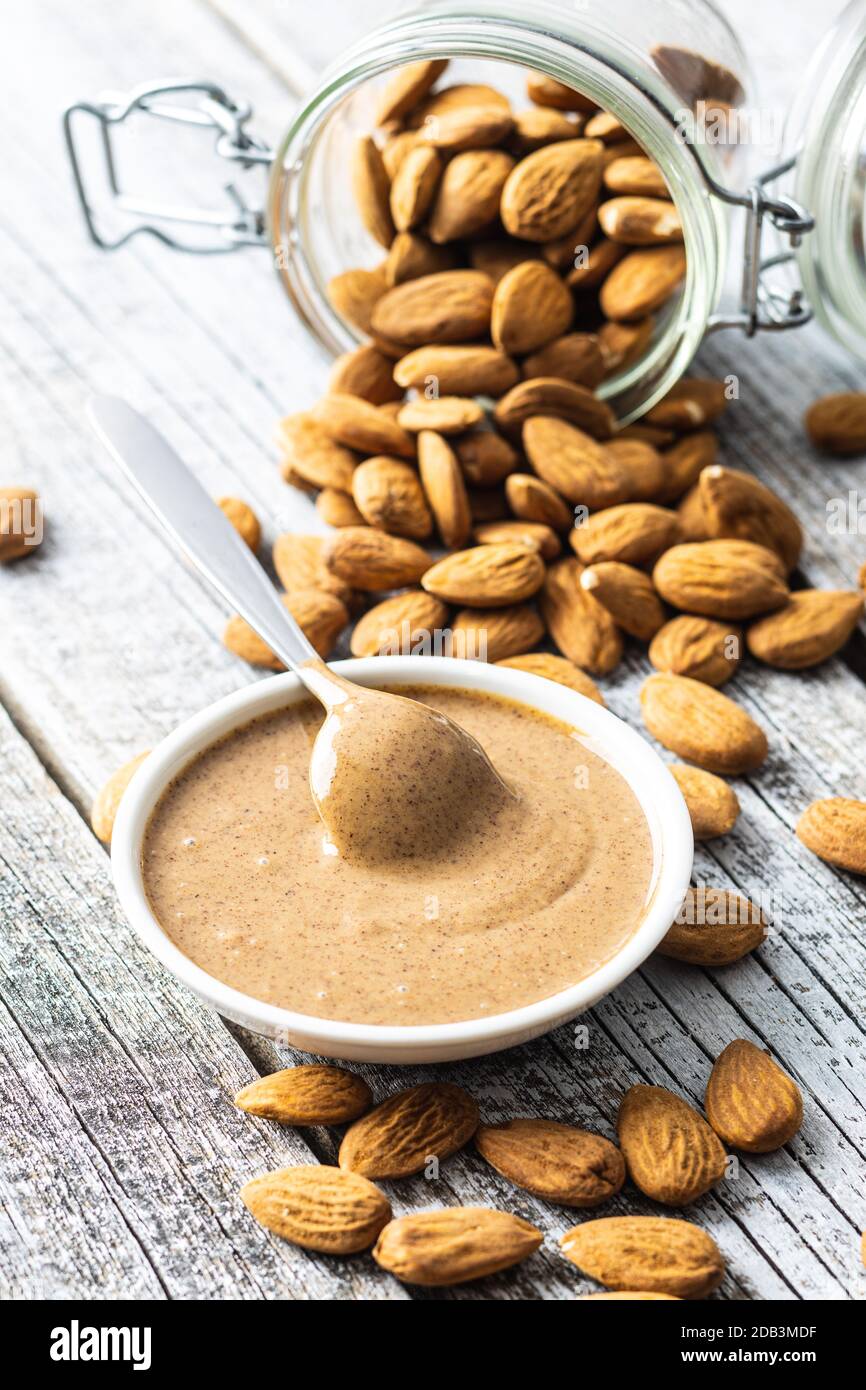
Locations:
(125, 1152)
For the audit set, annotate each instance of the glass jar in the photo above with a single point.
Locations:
(665, 70)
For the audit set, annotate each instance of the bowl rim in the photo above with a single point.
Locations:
(605, 733)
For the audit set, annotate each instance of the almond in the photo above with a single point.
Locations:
(837, 423)
(407, 87)
(486, 458)
(445, 414)
(563, 252)
(354, 294)
(537, 126)
(309, 450)
(451, 307)
(452, 1246)
(491, 634)
(582, 629)
(738, 507)
(531, 306)
(400, 1136)
(637, 221)
(337, 508)
(670, 1151)
(714, 926)
(835, 830)
(630, 1297)
(459, 97)
(414, 187)
(467, 127)
(300, 564)
(628, 595)
(307, 1095)
(721, 579)
(365, 372)
(645, 434)
(388, 494)
(642, 467)
(318, 1208)
(647, 1254)
(690, 405)
(547, 91)
(486, 576)
(372, 560)
(553, 1161)
(573, 463)
(20, 523)
(498, 255)
(321, 616)
(642, 282)
(243, 519)
(588, 274)
(697, 647)
(634, 533)
(461, 371)
(109, 796)
(444, 488)
(702, 725)
(487, 503)
(412, 255)
(551, 189)
(548, 395)
(622, 344)
(358, 425)
(533, 534)
(398, 625)
(468, 196)
(396, 148)
(712, 805)
(533, 500)
(636, 176)
(683, 464)
(371, 187)
(750, 1101)
(811, 627)
(605, 126)
(556, 668)
(575, 357)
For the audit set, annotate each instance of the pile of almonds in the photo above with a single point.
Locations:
(666, 1148)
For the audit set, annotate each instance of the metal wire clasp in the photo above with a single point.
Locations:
(237, 224)
(765, 306)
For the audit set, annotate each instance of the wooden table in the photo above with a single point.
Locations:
(122, 1153)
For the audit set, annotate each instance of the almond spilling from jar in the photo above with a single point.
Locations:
(473, 370)
(691, 404)
(486, 576)
(714, 926)
(582, 629)
(318, 1208)
(573, 463)
(454, 1246)
(554, 1161)
(553, 396)
(739, 507)
(628, 595)
(452, 307)
(359, 425)
(401, 1135)
(702, 725)
(751, 1103)
(310, 451)
(647, 1254)
(722, 579)
(633, 533)
(307, 1095)
(671, 1153)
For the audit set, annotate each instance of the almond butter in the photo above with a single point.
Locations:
(835, 830)
(533, 500)
(358, 425)
(531, 306)
(553, 1161)
(468, 196)
(398, 625)
(372, 560)
(722, 579)
(642, 282)
(400, 1136)
(573, 463)
(337, 508)
(556, 668)
(548, 191)
(582, 629)
(648, 1254)
(243, 519)
(837, 423)
(365, 372)
(738, 507)
(388, 494)
(445, 414)
(691, 404)
(712, 805)
(670, 1151)
(307, 1095)
(635, 176)
(309, 450)
(108, 798)
(813, 625)
(460, 371)
(414, 187)
(486, 576)
(452, 307)
(575, 357)
(699, 648)
(639, 221)
(454, 1245)
(533, 534)
(751, 1103)
(318, 1208)
(444, 488)
(634, 533)
(545, 395)
(628, 595)
(491, 634)
(407, 87)
(371, 187)
(714, 926)
(702, 725)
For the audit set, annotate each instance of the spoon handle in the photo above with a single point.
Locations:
(199, 526)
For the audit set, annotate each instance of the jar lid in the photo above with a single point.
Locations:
(826, 131)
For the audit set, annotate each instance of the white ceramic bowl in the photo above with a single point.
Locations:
(641, 767)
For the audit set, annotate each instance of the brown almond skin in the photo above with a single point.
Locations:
(319, 1208)
(550, 190)
(835, 830)
(354, 293)
(639, 221)
(407, 87)
(372, 560)
(498, 632)
(486, 458)
(574, 357)
(712, 805)
(472, 370)
(531, 307)
(547, 91)
(646, 1254)
(623, 343)
(307, 1095)
(531, 499)
(642, 282)
(722, 579)
(628, 595)
(740, 507)
(243, 519)
(697, 647)
(108, 798)
(371, 186)
(750, 1102)
(388, 495)
(714, 926)
(17, 504)
(337, 508)
(468, 128)
(358, 425)
(320, 615)
(635, 176)
(365, 372)
(398, 624)
(813, 625)
(545, 395)
(702, 725)
(634, 533)
(684, 462)
(399, 1136)
(642, 466)
(300, 564)
(444, 488)
(310, 451)
(468, 196)
(691, 404)
(486, 576)
(411, 255)
(577, 466)
(452, 307)
(533, 534)
(454, 1245)
(445, 414)
(556, 668)
(414, 187)
(837, 423)
(582, 629)
(670, 1151)
(554, 1161)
